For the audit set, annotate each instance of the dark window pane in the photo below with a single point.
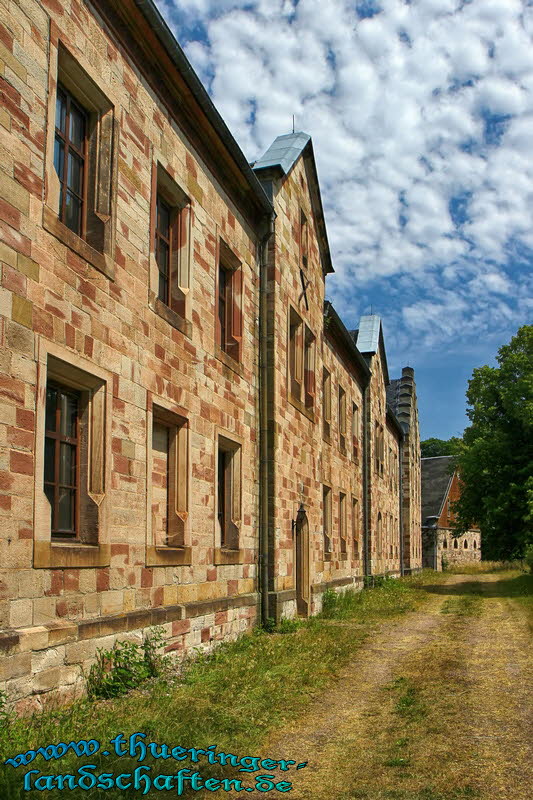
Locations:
(67, 464)
(66, 510)
(49, 451)
(77, 127)
(162, 257)
(49, 492)
(75, 173)
(72, 213)
(163, 219)
(59, 157)
(69, 414)
(163, 288)
(51, 404)
(61, 111)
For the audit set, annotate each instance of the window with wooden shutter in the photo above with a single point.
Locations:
(309, 369)
(326, 519)
(342, 521)
(342, 418)
(326, 403)
(296, 354)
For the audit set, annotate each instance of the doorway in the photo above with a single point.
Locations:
(302, 563)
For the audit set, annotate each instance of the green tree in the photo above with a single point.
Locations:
(496, 462)
(440, 447)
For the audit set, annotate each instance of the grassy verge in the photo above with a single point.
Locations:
(231, 698)
(480, 567)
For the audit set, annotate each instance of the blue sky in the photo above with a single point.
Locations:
(421, 115)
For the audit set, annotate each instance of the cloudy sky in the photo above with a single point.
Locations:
(421, 114)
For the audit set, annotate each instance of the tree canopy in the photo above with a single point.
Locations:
(496, 462)
(440, 447)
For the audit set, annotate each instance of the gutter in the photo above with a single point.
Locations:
(263, 422)
(366, 480)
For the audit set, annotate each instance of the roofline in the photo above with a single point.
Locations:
(344, 336)
(156, 21)
(314, 191)
(395, 421)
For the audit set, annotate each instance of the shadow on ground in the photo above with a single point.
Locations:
(504, 587)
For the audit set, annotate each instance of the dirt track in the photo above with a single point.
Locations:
(462, 665)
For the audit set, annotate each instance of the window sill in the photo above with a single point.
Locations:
(48, 554)
(326, 438)
(228, 361)
(166, 313)
(294, 401)
(168, 556)
(101, 261)
(225, 555)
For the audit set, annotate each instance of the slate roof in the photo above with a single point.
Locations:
(369, 338)
(393, 394)
(436, 480)
(284, 151)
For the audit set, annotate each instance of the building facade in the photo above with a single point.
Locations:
(441, 488)
(190, 436)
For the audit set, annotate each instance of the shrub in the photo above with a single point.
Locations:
(126, 666)
(528, 557)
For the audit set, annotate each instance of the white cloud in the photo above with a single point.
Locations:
(397, 107)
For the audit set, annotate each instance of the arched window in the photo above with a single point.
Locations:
(465, 544)
(444, 544)
(455, 545)
(475, 545)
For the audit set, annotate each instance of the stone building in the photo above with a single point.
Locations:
(190, 437)
(440, 490)
(401, 397)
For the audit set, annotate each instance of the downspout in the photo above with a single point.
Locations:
(366, 479)
(263, 421)
(400, 496)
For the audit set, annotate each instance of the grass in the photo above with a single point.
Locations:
(231, 698)
(480, 567)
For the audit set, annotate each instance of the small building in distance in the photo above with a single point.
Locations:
(440, 489)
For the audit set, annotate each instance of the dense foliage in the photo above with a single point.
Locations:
(430, 448)
(496, 462)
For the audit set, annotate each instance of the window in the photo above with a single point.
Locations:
(379, 535)
(70, 155)
(355, 527)
(171, 225)
(61, 458)
(229, 303)
(295, 354)
(355, 431)
(228, 493)
(309, 369)
(474, 545)
(465, 544)
(379, 449)
(326, 404)
(71, 462)
(169, 478)
(326, 519)
(342, 418)
(81, 152)
(342, 521)
(304, 241)
(455, 545)
(445, 544)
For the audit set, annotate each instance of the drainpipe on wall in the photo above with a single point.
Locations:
(366, 479)
(263, 422)
(400, 490)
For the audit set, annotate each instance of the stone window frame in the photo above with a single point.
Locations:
(301, 351)
(327, 513)
(341, 414)
(326, 404)
(343, 525)
(97, 245)
(355, 527)
(230, 443)
(355, 432)
(179, 313)
(96, 385)
(179, 525)
(230, 352)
